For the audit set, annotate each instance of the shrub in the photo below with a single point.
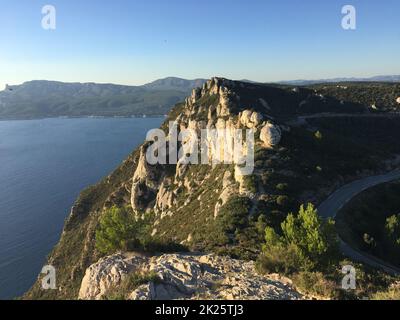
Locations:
(282, 186)
(392, 293)
(306, 242)
(261, 223)
(392, 228)
(282, 201)
(315, 237)
(318, 135)
(250, 183)
(233, 214)
(281, 258)
(315, 283)
(370, 241)
(119, 230)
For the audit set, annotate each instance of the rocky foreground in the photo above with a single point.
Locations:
(185, 276)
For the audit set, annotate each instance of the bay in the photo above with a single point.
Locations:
(44, 164)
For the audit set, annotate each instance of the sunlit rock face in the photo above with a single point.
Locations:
(106, 273)
(270, 135)
(144, 183)
(215, 106)
(185, 276)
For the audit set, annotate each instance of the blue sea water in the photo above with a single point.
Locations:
(44, 164)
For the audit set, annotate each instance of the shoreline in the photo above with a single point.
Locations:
(85, 117)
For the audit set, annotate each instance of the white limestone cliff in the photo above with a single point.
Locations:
(185, 276)
(151, 191)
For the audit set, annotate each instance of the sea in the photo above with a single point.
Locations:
(44, 164)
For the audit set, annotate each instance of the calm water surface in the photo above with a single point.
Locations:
(44, 164)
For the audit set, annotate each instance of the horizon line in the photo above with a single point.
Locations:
(344, 78)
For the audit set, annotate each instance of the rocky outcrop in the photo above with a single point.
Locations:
(228, 190)
(185, 276)
(270, 135)
(105, 274)
(165, 198)
(226, 99)
(216, 105)
(250, 119)
(144, 183)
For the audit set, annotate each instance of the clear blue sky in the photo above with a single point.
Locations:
(132, 42)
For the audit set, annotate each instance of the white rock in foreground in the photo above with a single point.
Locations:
(106, 273)
(186, 276)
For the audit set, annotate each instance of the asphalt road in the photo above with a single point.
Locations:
(302, 120)
(331, 206)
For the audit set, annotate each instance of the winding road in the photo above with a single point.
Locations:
(331, 206)
(302, 120)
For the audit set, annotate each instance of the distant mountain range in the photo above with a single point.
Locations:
(40, 99)
(392, 78)
(173, 83)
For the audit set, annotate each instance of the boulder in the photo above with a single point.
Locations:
(250, 119)
(256, 118)
(245, 118)
(105, 274)
(270, 135)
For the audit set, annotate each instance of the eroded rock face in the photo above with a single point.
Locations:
(151, 192)
(165, 199)
(245, 118)
(228, 190)
(196, 94)
(144, 181)
(256, 118)
(186, 276)
(227, 100)
(143, 292)
(270, 135)
(250, 119)
(106, 273)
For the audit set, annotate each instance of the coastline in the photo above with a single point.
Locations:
(85, 117)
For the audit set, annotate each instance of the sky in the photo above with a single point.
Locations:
(133, 42)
